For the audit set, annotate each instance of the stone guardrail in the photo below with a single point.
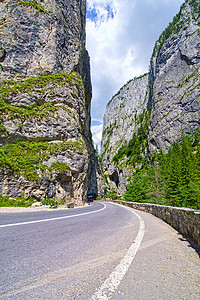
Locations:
(184, 220)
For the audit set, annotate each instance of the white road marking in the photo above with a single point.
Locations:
(111, 284)
(54, 219)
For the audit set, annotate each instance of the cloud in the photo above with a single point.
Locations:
(97, 134)
(120, 38)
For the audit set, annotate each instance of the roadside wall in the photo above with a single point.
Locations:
(185, 220)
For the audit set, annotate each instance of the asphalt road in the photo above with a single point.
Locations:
(101, 251)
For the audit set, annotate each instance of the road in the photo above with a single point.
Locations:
(103, 251)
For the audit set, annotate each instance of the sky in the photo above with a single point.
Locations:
(121, 35)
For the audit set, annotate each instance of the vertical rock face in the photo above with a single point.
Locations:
(171, 90)
(45, 94)
(119, 124)
(176, 80)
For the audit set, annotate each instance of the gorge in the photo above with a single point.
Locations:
(46, 149)
(151, 112)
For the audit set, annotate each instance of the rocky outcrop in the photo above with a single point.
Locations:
(45, 94)
(175, 78)
(119, 124)
(170, 94)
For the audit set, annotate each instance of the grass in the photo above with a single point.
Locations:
(37, 84)
(33, 4)
(7, 201)
(27, 158)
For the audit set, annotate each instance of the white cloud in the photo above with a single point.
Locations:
(97, 134)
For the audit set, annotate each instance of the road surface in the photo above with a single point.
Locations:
(103, 251)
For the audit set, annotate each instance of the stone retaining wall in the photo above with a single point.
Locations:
(185, 220)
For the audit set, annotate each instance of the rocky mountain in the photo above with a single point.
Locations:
(167, 101)
(174, 75)
(119, 124)
(45, 94)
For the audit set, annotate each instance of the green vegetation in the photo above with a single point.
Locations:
(108, 132)
(40, 8)
(29, 112)
(3, 129)
(135, 150)
(10, 87)
(6, 201)
(194, 4)
(172, 178)
(26, 157)
(60, 167)
(109, 194)
(39, 84)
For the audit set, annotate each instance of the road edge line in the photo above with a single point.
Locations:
(53, 219)
(111, 284)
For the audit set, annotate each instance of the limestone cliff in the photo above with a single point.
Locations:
(119, 124)
(169, 96)
(45, 94)
(175, 78)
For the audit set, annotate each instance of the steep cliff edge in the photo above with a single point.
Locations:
(45, 94)
(121, 121)
(175, 78)
(168, 101)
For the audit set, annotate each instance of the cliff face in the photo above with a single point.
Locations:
(45, 92)
(169, 94)
(119, 124)
(176, 81)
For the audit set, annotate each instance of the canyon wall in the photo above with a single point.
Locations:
(45, 94)
(166, 100)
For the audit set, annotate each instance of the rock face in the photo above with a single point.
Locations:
(45, 94)
(119, 124)
(171, 91)
(175, 75)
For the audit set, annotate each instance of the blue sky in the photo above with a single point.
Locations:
(120, 38)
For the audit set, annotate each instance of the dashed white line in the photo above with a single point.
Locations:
(53, 219)
(111, 284)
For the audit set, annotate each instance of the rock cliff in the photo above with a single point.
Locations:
(169, 96)
(119, 124)
(45, 94)
(174, 73)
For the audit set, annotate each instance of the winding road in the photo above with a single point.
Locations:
(102, 251)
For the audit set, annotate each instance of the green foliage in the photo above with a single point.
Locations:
(194, 4)
(134, 151)
(26, 157)
(172, 178)
(60, 167)
(137, 190)
(40, 8)
(37, 84)
(52, 202)
(31, 111)
(6, 201)
(111, 195)
(3, 130)
(10, 87)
